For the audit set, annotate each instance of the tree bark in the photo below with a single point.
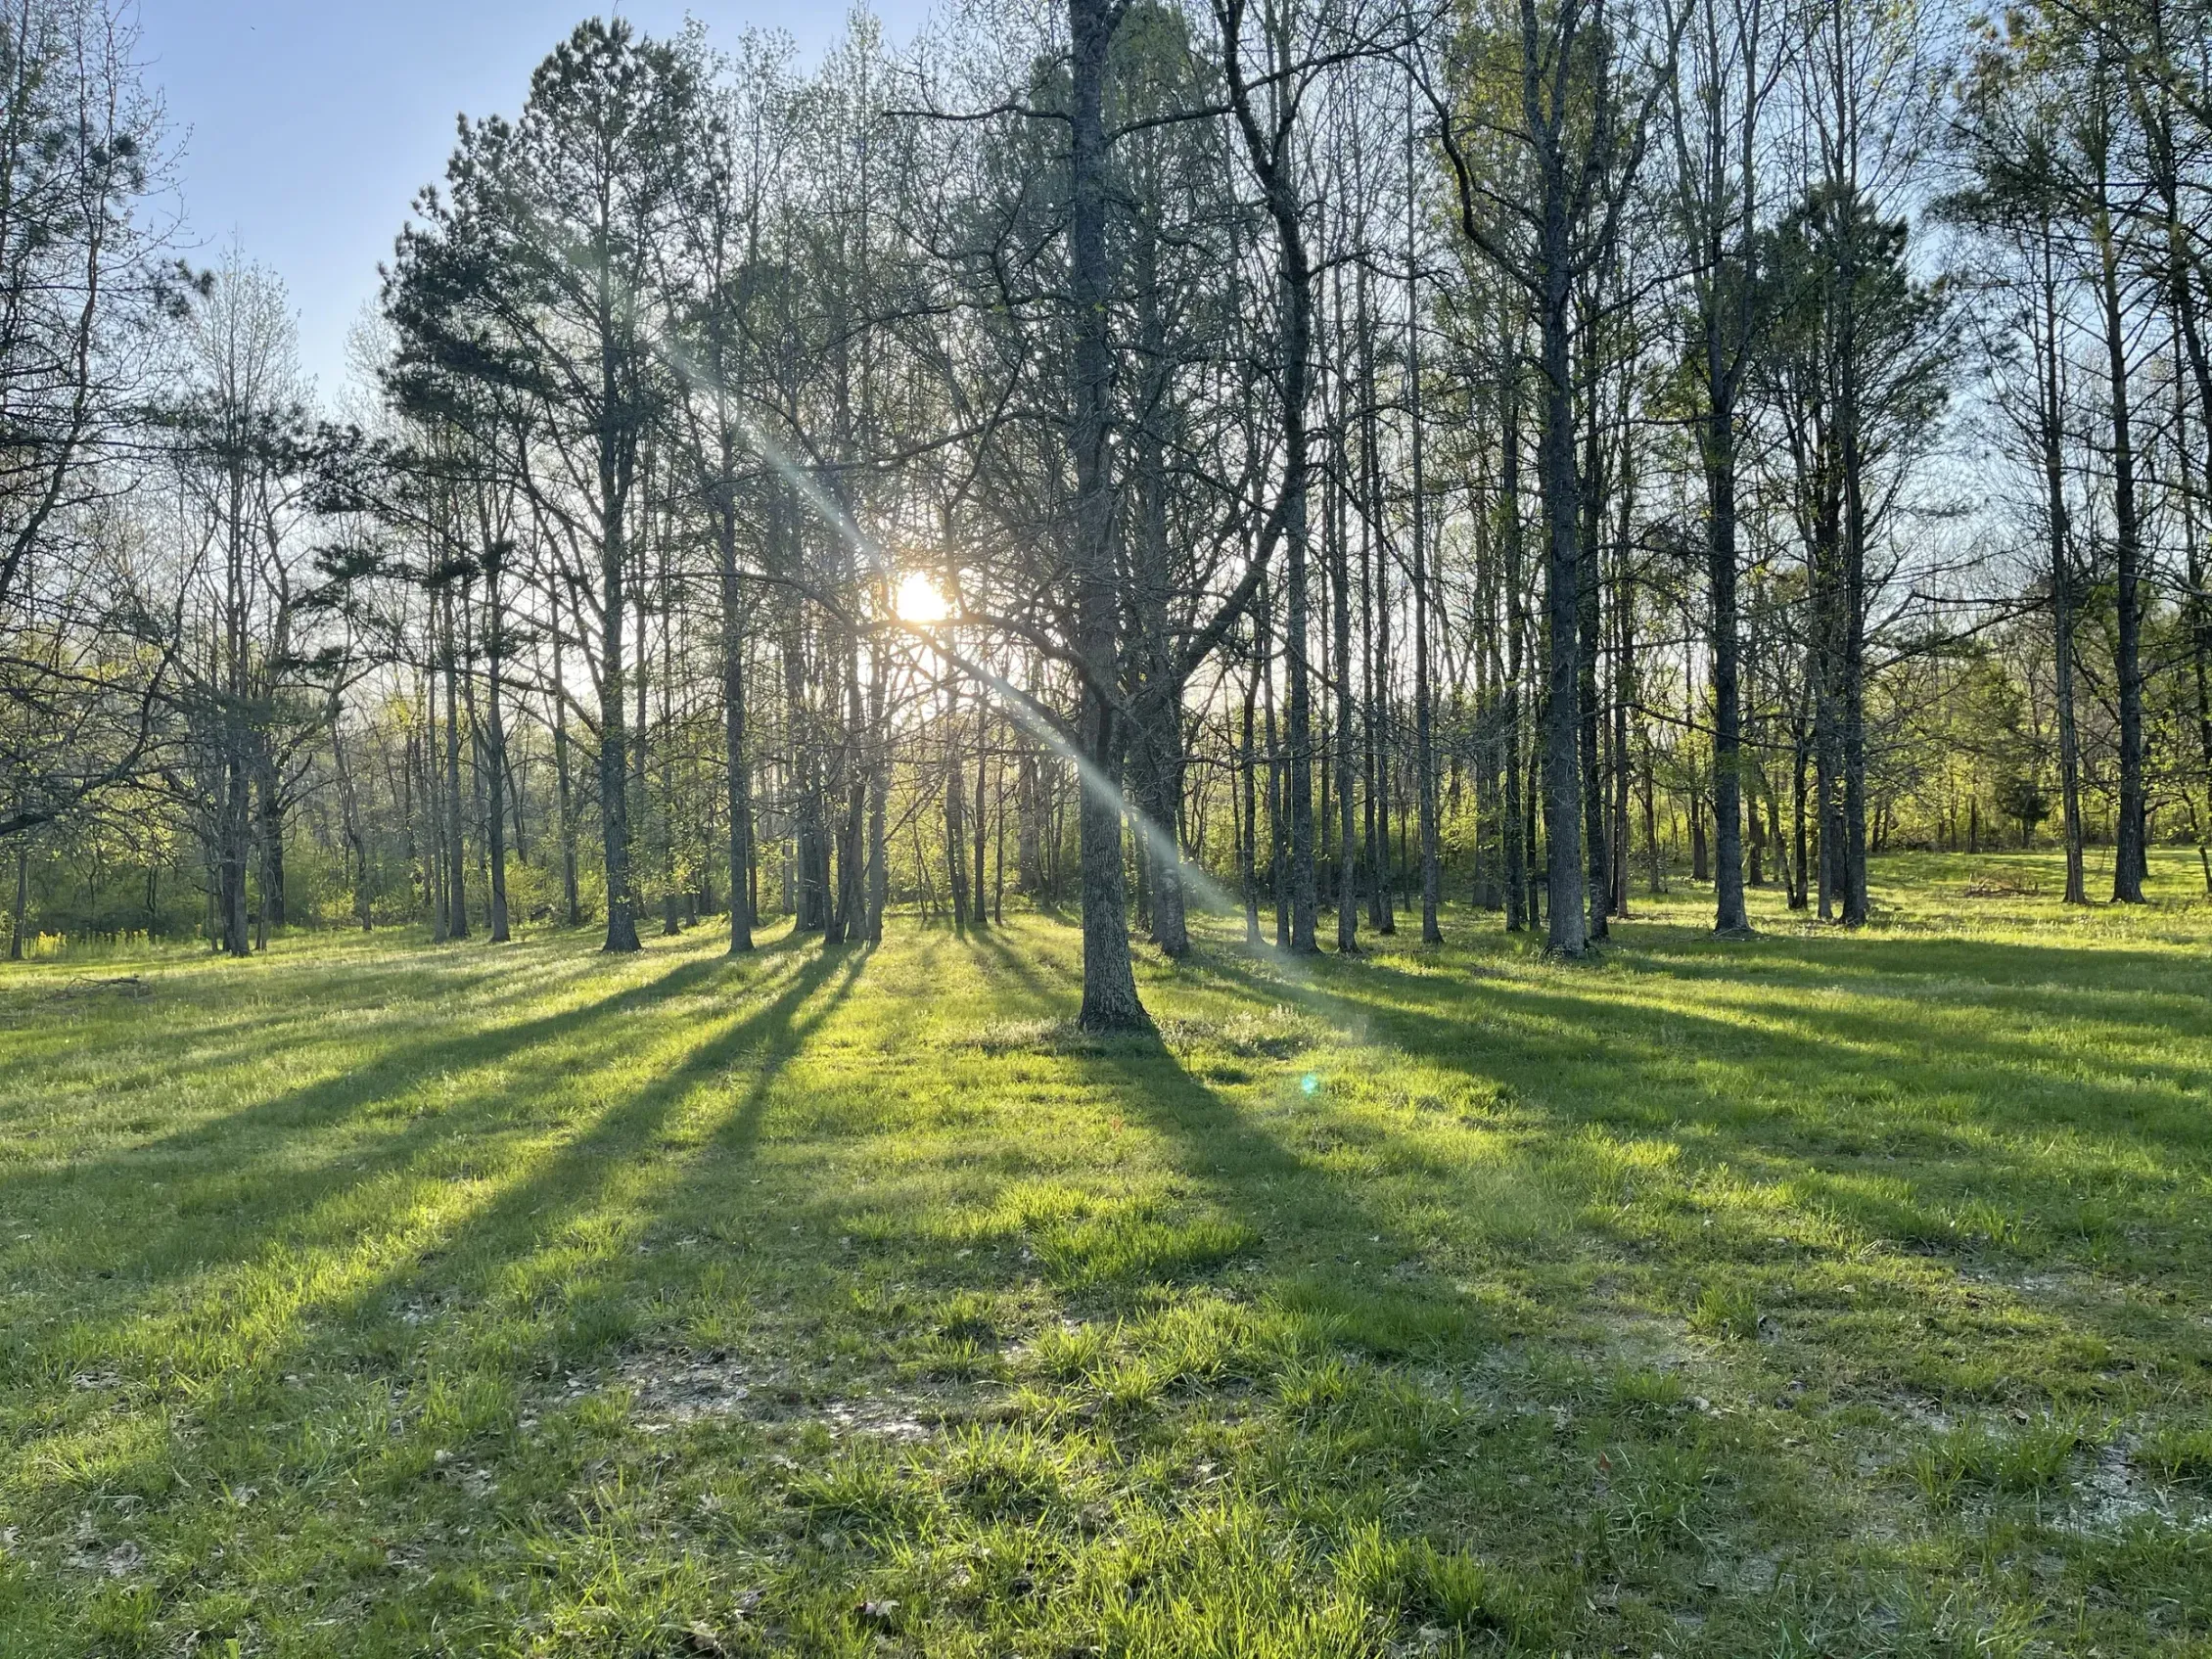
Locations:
(1109, 979)
(22, 906)
(1273, 161)
(1424, 691)
(1569, 923)
(2129, 861)
(564, 785)
(736, 761)
(1517, 913)
(2052, 415)
(456, 863)
(496, 816)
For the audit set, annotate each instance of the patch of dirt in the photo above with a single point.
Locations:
(1918, 1411)
(672, 1390)
(1656, 1341)
(2112, 1492)
(681, 1389)
(2002, 887)
(117, 1563)
(880, 1417)
(2032, 1287)
(95, 1553)
(2115, 1491)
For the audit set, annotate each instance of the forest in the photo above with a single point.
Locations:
(1328, 463)
(1249, 828)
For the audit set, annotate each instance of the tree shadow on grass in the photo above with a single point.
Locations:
(620, 1171)
(2143, 996)
(1317, 1245)
(287, 1237)
(531, 1251)
(1665, 1059)
(1794, 1115)
(1044, 994)
(1516, 1031)
(262, 1141)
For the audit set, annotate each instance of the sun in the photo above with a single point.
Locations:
(920, 602)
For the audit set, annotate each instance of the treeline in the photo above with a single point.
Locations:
(1328, 461)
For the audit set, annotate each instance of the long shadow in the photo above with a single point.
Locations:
(1431, 1014)
(1224, 1151)
(1301, 1211)
(1847, 964)
(559, 1190)
(578, 1177)
(1003, 958)
(397, 1068)
(1945, 1061)
(1771, 1143)
(184, 1242)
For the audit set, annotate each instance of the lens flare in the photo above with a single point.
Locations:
(919, 605)
(920, 602)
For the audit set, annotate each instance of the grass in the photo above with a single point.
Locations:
(1822, 1294)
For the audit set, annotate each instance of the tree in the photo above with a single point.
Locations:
(1716, 98)
(86, 296)
(1857, 372)
(533, 273)
(1556, 84)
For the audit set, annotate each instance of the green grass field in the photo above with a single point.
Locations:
(1816, 1295)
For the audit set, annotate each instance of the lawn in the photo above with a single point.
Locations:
(1821, 1294)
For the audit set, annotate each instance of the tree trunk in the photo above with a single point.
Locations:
(456, 863)
(1568, 920)
(1109, 979)
(1278, 841)
(22, 906)
(1799, 867)
(235, 842)
(1730, 915)
(495, 817)
(2129, 861)
(1517, 915)
(981, 917)
(1338, 556)
(736, 761)
(1589, 622)
(269, 836)
(955, 812)
(564, 785)
(349, 821)
(1274, 163)
(1424, 750)
(1248, 829)
(616, 470)
(2052, 415)
(879, 797)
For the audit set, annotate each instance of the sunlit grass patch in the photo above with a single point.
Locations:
(1726, 1310)
(2029, 1457)
(2180, 1454)
(1441, 1589)
(1125, 1246)
(1819, 1294)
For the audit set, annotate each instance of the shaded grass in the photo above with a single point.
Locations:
(1815, 1294)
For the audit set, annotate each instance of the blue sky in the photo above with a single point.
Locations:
(308, 125)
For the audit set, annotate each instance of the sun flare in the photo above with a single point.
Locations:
(920, 602)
